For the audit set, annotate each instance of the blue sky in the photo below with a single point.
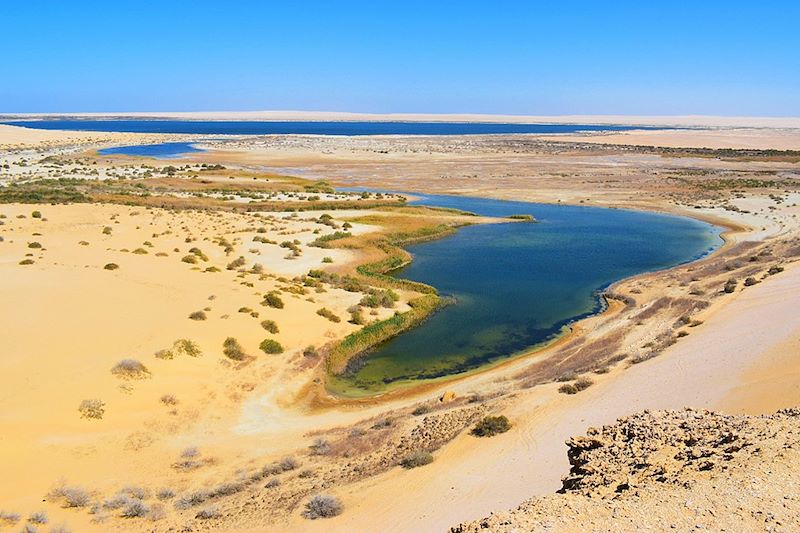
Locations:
(721, 58)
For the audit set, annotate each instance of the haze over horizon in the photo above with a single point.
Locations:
(721, 58)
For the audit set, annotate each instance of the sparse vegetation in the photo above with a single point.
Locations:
(273, 300)
(270, 346)
(490, 426)
(327, 313)
(233, 350)
(130, 369)
(270, 326)
(416, 459)
(111, 266)
(198, 315)
(93, 409)
(322, 506)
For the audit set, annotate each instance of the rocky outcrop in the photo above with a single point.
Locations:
(672, 470)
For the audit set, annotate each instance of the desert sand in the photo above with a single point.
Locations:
(72, 321)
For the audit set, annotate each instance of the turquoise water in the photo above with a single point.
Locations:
(517, 285)
(312, 128)
(159, 151)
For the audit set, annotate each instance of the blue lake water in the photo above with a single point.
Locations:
(314, 128)
(160, 151)
(517, 285)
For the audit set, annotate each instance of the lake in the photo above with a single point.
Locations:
(159, 151)
(310, 128)
(517, 285)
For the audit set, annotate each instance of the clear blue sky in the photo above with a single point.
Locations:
(525, 57)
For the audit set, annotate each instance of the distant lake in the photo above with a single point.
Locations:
(517, 285)
(311, 128)
(159, 151)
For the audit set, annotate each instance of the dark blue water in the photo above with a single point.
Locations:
(314, 128)
(160, 151)
(517, 285)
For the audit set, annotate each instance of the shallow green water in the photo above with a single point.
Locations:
(518, 285)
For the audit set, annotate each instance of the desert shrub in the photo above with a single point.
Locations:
(191, 259)
(310, 351)
(208, 513)
(421, 410)
(110, 266)
(750, 281)
(165, 494)
(288, 463)
(270, 326)
(233, 350)
(568, 388)
(198, 315)
(384, 298)
(70, 496)
(245, 310)
(273, 300)
(212, 269)
(34, 245)
(569, 376)
(130, 369)
(93, 409)
(26, 262)
(730, 286)
(39, 517)
(320, 447)
(107, 230)
(416, 458)
(356, 316)
(327, 259)
(327, 313)
(135, 509)
(36, 214)
(140, 251)
(270, 346)
(490, 426)
(272, 483)
(9, 518)
(186, 347)
(236, 263)
(322, 506)
(169, 399)
(583, 383)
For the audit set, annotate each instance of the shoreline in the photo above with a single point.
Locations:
(540, 351)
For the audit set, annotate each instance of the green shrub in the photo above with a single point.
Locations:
(491, 426)
(327, 313)
(36, 214)
(416, 459)
(233, 350)
(273, 300)
(270, 346)
(270, 326)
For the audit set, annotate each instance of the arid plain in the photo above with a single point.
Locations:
(125, 406)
